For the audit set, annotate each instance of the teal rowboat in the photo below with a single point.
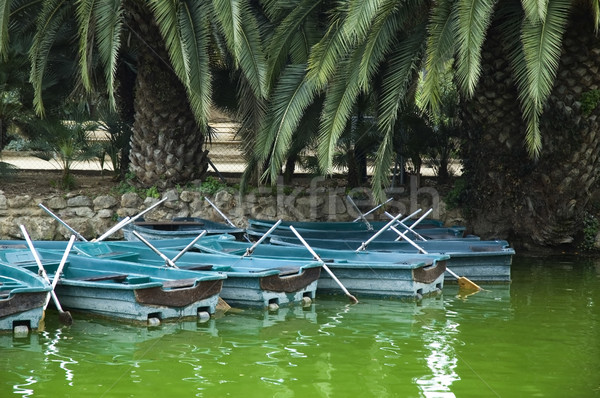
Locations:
(22, 297)
(479, 261)
(126, 291)
(367, 274)
(338, 226)
(179, 227)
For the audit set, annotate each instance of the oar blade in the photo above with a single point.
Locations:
(467, 284)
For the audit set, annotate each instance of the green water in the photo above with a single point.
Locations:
(538, 337)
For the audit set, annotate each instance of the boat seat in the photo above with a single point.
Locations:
(484, 248)
(198, 267)
(115, 277)
(179, 283)
(287, 270)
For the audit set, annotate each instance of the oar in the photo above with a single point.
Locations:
(362, 216)
(168, 261)
(410, 228)
(61, 265)
(63, 316)
(250, 250)
(127, 220)
(224, 217)
(316, 256)
(372, 210)
(189, 246)
(64, 224)
(364, 245)
(463, 282)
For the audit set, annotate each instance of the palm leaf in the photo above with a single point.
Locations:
(109, 22)
(473, 21)
(241, 32)
(359, 17)
(53, 15)
(535, 75)
(4, 20)
(535, 10)
(440, 49)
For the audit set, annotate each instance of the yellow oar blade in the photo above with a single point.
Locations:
(467, 284)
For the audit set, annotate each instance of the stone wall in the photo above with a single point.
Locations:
(92, 216)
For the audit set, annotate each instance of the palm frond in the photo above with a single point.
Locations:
(53, 15)
(440, 49)
(290, 98)
(285, 33)
(342, 94)
(85, 19)
(109, 22)
(4, 20)
(535, 10)
(535, 75)
(241, 31)
(359, 18)
(383, 163)
(473, 21)
(402, 66)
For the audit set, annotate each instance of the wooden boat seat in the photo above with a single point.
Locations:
(115, 277)
(179, 283)
(485, 248)
(287, 270)
(198, 267)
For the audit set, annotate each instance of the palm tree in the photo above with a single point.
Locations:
(174, 42)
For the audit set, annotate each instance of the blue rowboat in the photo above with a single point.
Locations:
(451, 233)
(251, 282)
(367, 274)
(22, 297)
(338, 226)
(179, 227)
(485, 261)
(126, 291)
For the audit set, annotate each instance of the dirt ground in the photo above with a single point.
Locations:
(45, 182)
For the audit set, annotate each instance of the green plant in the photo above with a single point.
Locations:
(455, 196)
(211, 186)
(589, 101)
(591, 227)
(152, 192)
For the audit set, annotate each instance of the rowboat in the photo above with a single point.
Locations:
(441, 233)
(179, 227)
(22, 297)
(124, 290)
(251, 282)
(486, 261)
(404, 276)
(338, 226)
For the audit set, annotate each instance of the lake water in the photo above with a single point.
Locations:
(538, 337)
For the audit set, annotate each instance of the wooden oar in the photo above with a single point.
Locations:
(410, 228)
(189, 246)
(168, 261)
(250, 250)
(227, 220)
(362, 216)
(63, 316)
(364, 245)
(463, 282)
(325, 267)
(372, 210)
(127, 220)
(64, 224)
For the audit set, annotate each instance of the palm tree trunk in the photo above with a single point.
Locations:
(167, 146)
(535, 202)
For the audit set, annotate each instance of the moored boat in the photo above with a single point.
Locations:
(179, 227)
(126, 291)
(404, 276)
(22, 297)
(339, 226)
(480, 261)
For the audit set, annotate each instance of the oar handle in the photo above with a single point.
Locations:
(188, 247)
(364, 245)
(59, 270)
(250, 250)
(325, 267)
(362, 216)
(64, 224)
(168, 261)
(409, 241)
(114, 229)
(220, 212)
(373, 209)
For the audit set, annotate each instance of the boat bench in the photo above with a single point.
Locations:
(198, 267)
(97, 278)
(179, 283)
(284, 271)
